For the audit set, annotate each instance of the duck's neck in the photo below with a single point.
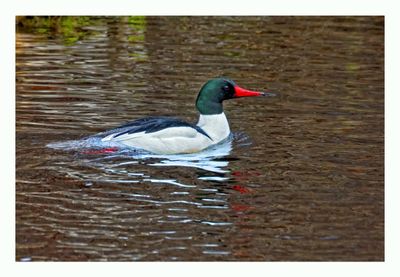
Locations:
(215, 125)
(208, 104)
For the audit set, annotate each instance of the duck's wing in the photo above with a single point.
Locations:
(152, 125)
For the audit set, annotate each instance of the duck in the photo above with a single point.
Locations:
(169, 135)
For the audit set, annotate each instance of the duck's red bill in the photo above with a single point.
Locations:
(241, 92)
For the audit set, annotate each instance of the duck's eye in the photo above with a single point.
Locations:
(225, 88)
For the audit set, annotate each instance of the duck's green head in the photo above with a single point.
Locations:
(215, 91)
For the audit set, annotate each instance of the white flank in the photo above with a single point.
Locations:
(176, 140)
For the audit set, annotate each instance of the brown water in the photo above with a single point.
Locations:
(303, 178)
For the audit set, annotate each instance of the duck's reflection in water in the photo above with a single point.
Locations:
(123, 165)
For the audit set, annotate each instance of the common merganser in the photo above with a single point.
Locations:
(166, 135)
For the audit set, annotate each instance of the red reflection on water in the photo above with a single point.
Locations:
(244, 174)
(240, 207)
(101, 151)
(241, 189)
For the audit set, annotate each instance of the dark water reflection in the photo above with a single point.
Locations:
(302, 178)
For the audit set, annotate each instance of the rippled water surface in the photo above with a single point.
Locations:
(301, 178)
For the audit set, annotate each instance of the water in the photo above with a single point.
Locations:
(301, 179)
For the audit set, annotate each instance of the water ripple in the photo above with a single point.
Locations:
(308, 185)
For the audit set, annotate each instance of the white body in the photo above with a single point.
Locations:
(176, 140)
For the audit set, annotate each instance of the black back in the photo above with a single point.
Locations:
(151, 125)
